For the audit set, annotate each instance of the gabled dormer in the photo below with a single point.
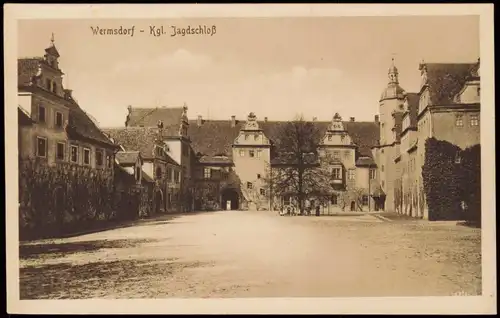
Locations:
(251, 134)
(336, 134)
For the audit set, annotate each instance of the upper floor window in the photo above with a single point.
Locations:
(330, 137)
(259, 153)
(60, 149)
(249, 185)
(347, 154)
(158, 173)
(54, 87)
(59, 119)
(74, 154)
(251, 153)
(86, 156)
(262, 191)
(41, 147)
(372, 174)
(48, 84)
(474, 120)
(336, 173)
(336, 154)
(459, 121)
(207, 173)
(109, 161)
(479, 91)
(246, 136)
(256, 137)
(351, 174)
(242, 153)
(99, 157)
(177, 176)
(41, 114)
(382, 168)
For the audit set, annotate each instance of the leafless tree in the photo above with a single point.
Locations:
(296, 170)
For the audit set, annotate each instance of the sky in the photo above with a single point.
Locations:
(274, 67)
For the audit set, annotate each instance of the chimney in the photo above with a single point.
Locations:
(68, 93)
(265, 119)
(352, 119)
(376, 119)
(233, 121)
(199, 121)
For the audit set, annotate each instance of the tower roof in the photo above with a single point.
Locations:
(393, 90)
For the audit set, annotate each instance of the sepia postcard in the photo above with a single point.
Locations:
(273, 158)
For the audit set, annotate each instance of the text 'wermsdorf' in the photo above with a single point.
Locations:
(156, 31)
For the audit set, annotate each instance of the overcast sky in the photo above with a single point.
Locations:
(275, 67)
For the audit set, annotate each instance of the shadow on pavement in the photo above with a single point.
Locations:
(116, 279)
(52, 249)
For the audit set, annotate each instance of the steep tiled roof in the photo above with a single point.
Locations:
(140, 139)
(79, 123)
(413, 101)
(365, 162)
(149, 117)
(445, 80)
(22, 118)
(125, 158)
(215, 137)
(26, 69)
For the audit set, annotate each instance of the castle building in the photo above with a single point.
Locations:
(225, 162)
(53, 127)
(447, 108)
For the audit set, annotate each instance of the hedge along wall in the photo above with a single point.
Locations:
(448, 182)
(62, 198)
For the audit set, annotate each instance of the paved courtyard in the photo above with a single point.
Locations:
(256, 254)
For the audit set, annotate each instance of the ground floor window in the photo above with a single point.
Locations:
(334, 199)
(364, 200)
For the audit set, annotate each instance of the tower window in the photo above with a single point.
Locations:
(207, 173)
(459, 121)
(259, 153)
(256, 137)
(336, 173)
(242, 153)
(329, 137)
(258, 175)
(251, 153)
(262, 191)
(372, 174)
(351, 174)
(249, 185)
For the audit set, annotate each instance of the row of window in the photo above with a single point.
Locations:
(74, 153)
(473, 120)
(261, 190)
(58, 117)
(330, 137)
(336, 173)
(251, 153)
(255, 136)
(171, 174)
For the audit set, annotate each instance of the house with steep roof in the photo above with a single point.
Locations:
(59, 130)
(156, 163)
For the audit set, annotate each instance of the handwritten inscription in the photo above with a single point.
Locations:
(156, 31)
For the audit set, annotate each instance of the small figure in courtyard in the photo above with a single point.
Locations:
(317, 210)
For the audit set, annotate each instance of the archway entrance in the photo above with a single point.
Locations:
(230, 200)
(353, 206)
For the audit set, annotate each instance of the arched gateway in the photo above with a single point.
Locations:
(230, 199)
